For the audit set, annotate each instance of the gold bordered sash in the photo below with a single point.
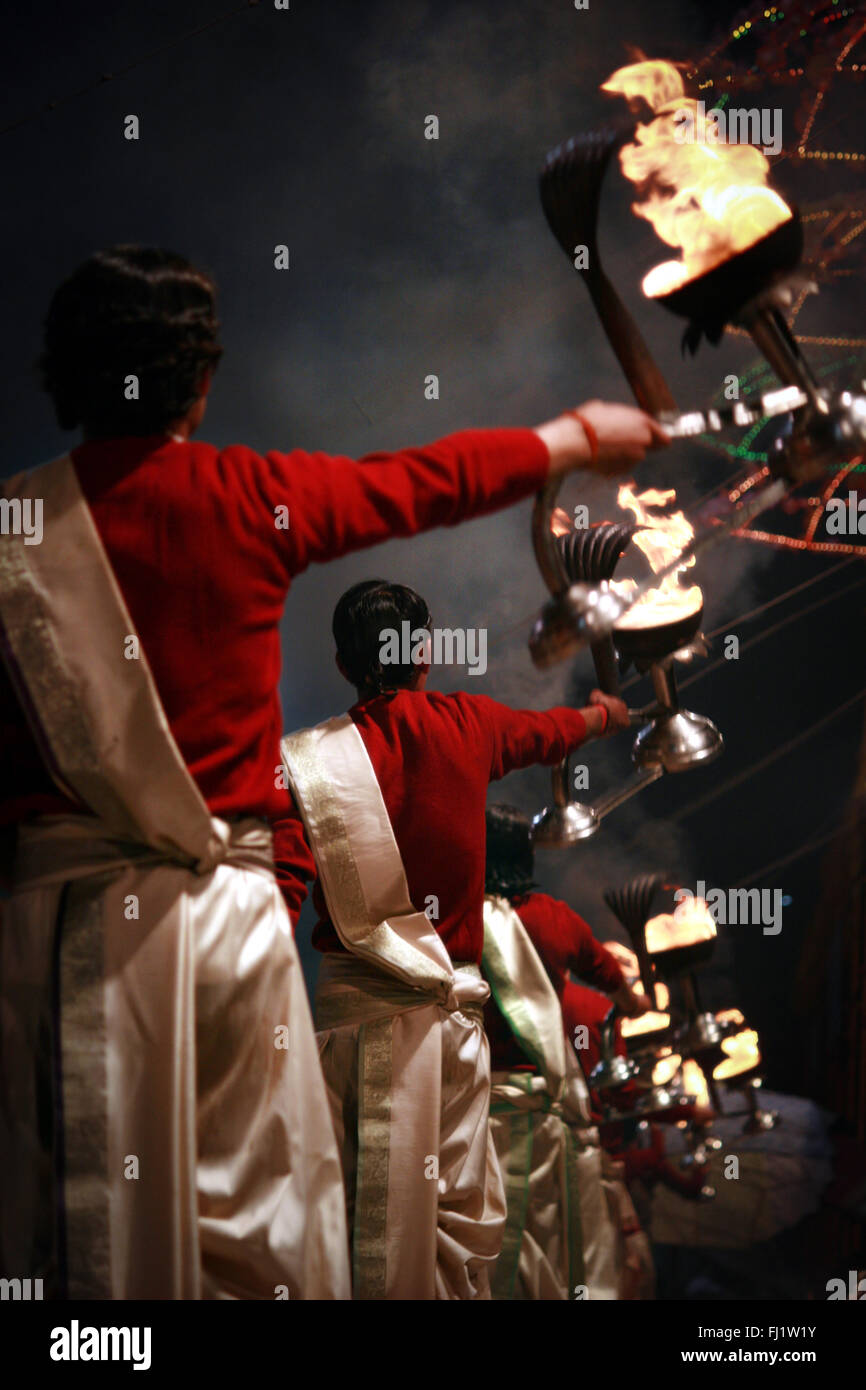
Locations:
(521, 987)
(397, 960)
(68, 642)
(360, 868)
(527, 1000)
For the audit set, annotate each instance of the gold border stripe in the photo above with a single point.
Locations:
(369, 1247)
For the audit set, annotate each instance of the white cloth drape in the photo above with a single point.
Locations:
(156, 1140)
(165, 1130)
(410, 1089)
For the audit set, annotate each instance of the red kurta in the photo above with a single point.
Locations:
(565, 942)
(587, 1008)
(192, 535)
(434, 756)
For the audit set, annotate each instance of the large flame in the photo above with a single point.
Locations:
(692, 922)
(707, 198)
(661, 540)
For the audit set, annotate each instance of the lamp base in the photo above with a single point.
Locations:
(677, 741)
(556, 826)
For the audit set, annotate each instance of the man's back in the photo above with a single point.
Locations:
(203, 579)
(565, 942)
(204, 544)
(434, 756)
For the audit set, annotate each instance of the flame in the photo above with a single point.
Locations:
(692, 922)
(666, 1068)
(661, 541)
(707, 198)
(743, 1053)
(730, 1016)
(694, 1082)
(646, 1023)
(654, 81)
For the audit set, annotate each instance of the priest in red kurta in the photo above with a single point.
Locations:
(199, 545)
(546, 1227)
(392, 796)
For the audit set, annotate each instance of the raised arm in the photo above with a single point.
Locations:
(337, 505)
(584, 956)
(594, 963)
(522, 737)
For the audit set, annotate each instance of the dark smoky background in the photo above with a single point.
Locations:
(409, 257)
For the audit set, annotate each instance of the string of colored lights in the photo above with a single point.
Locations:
(811, 24)
(777, 31)
(754, 380)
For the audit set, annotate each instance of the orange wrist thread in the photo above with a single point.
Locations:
(589, 431)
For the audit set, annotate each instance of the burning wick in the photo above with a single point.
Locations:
(666, 1067)
(707, 198)
(649, 1022)
(694, 1082)
(692, 922)
(742, 1051)
(661, 541)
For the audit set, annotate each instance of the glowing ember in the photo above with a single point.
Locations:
(690, 923)
(666, 1068)
(661, 541)
(743, 1054)
(631, 1027)
(707, 198)
(694, 1082)
(730, 1016)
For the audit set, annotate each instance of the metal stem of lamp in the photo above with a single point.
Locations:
(675, 739)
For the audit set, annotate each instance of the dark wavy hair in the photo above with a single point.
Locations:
(362, 615)
(510, 855)
(129, 311)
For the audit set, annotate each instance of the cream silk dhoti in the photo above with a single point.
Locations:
(403, 1049)
(164, 1131)
(409, 1088)
(563, 1233)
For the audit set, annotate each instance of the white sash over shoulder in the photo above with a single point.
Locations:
(528, 1002)
(360, 868)
(145, 974)
(560, 1206)
(411, 1008)
(74, 657)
